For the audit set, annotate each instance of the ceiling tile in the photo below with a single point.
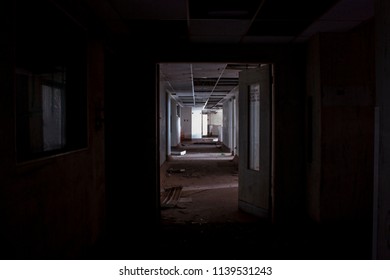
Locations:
(225, 27)
(273, 28)
(151, 9)
(267, 39)
(215, 39)
(222, 9)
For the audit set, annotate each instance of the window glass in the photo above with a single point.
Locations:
(254, 127)
(50, 82)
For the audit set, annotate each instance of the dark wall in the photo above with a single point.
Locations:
(289, 139)
(132, 130)
(340, 175)
(59, 206)
(348, 100)
(132, 147)
(51, 207)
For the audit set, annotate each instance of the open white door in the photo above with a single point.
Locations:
(255, 140)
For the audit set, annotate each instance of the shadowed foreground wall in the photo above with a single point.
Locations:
(342, 91)
(53, 207)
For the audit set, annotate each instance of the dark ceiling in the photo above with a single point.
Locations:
(230, 21)
(224, 22)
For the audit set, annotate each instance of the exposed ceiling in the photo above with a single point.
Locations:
(229, 22)
(204, 85)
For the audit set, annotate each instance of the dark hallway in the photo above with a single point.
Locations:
(89, 122)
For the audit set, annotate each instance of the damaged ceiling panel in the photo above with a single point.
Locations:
(205, 85)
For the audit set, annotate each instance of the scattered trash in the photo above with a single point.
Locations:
(175, 170)
(178, 153)
(170, 197)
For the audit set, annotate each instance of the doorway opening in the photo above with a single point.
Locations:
(199, 136)
(208, 190)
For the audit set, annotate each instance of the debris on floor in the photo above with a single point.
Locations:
(178, 153)
(176, 170)
(170, 197)
(185, 199)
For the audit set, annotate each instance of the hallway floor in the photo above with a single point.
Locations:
(205, 220)
(201, 220)
(208, 179)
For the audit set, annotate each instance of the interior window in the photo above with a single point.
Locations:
(50, 83)
(254, 127)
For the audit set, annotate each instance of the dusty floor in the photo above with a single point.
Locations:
(205, 221)
(208, 178)
(202, 220)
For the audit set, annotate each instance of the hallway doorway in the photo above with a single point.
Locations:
(195, 165)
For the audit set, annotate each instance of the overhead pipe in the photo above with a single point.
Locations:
(192, 84)
(215, 85)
